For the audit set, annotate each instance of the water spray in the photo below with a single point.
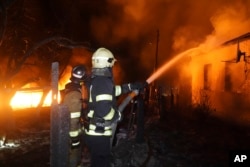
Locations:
(154, 76)
(168, 64)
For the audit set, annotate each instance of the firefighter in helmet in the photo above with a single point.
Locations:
(74, 101)
(102, 107)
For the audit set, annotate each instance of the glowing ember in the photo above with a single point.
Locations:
(4, 144)
(2, 141)
(8, 145)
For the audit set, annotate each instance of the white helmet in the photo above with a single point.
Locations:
(102, 58)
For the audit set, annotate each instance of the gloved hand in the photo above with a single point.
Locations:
(138, 85)
(75, 143)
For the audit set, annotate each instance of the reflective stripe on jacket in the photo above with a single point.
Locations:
(102, 101)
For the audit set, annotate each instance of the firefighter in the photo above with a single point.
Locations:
(74, 101)
(102, 107)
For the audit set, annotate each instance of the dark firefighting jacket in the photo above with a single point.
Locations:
(73, 100)
(102, 103)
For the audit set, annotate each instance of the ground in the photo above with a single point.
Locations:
(175, 141)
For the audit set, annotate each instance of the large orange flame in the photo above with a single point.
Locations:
(31, 98)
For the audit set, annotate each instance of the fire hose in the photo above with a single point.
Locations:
(121, 107)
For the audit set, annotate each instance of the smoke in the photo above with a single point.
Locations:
(182, 25)
(228, 22)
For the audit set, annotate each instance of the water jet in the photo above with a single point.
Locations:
(170, 63)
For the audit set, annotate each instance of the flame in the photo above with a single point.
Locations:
(26, 99)
(31, 99)
(30, 95)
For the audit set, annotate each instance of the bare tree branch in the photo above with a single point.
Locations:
(61, 41)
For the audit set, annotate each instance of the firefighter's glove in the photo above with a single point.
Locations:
(137, 85)
(75, 143)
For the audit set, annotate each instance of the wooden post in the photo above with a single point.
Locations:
(63, 139)
(54, 145)
(59, 126)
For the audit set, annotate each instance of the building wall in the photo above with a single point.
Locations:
(225, 83)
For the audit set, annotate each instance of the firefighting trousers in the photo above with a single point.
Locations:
(100, 152)
(75, 157)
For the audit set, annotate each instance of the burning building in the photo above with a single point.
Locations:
(220, 79)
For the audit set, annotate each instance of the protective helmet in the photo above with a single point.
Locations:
(102, 58)
(78, 73)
